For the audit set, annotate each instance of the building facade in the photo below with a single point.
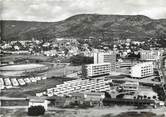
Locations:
(149, 54)
(90, 98)
(142, 70)
(105, 58)
(91, 70)
(38, 102)
(130, 86)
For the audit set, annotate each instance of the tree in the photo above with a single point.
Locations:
(80, 60)
(107, 95)
(154, 97)
(133, 55)
(36, 110)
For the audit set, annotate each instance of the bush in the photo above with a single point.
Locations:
(80, 60)
(36, 110)
(159, 90)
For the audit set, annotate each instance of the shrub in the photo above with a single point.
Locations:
(80, 60)
(36, 110)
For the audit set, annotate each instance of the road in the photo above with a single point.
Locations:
(162, 72)
(142, 81)
(162, 69)
(92, 112)
(14, 107)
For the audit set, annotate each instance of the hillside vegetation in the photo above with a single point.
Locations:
(137, 27)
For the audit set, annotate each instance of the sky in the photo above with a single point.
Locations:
(56, 10)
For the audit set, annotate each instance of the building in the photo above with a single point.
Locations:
(77, 98)
(91, 70)
(36, 101)
(13, 101)
(124, 65)
(94, 96)
(141, 70)
(149, 54)
(102, 57)
(130, 86)
(90, 98)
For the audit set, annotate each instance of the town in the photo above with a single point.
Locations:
(81, 73)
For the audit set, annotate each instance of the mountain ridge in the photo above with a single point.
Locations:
(137, 27)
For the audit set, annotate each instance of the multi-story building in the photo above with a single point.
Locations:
(106, 58)
(142, 70)
(91, 70)
(149, 54)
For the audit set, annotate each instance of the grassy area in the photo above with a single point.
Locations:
(61, 70)
(13, 113)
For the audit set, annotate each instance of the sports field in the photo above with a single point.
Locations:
(17, 70)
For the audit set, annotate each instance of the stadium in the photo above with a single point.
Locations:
(21, 70)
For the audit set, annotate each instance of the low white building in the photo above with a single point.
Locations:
(88, 96)
(141, 70)
(94, 96)
(50, 53)
(38, 102)
(150, 54)
(130, 86)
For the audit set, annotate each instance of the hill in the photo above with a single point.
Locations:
(87, 25)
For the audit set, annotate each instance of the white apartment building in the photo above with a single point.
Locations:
(92, 70)
(105, 58)
(149, 54)
(141, 70)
